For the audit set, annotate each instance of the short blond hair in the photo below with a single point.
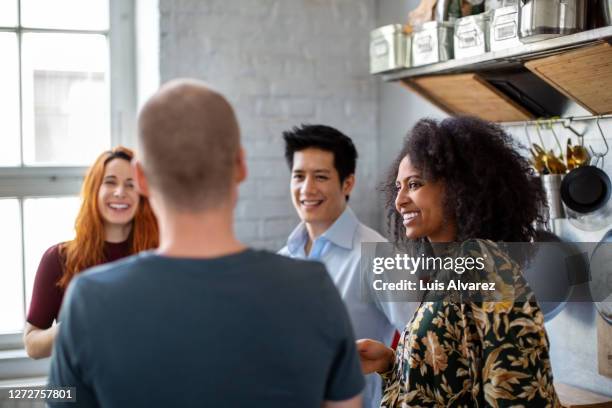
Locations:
(189, 140)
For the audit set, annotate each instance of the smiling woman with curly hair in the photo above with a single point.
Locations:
(463, 180)
(489, 189)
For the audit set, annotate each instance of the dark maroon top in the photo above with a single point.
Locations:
(46, 295)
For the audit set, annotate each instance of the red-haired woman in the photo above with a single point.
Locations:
(114, 222)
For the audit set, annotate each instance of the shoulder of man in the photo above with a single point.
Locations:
(307, 274)
(111, 270)
(90, 288)
(283, 260)
(367, 234)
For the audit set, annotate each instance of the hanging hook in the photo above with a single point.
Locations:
(596, 154)
(551, 127)
(539, 134)
(527, 134)
(568, 125)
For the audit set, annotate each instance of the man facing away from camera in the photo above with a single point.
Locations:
(322, 161)
(203, 320)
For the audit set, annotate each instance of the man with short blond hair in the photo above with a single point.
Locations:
(204, 320)
(179, 154)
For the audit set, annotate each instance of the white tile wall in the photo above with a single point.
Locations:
(281, 63)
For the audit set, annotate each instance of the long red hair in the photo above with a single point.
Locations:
(86, 249)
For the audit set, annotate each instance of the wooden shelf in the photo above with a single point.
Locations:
(561, 77)
(468, 94)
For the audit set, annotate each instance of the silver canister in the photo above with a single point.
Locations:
(606, 11)
(389, 49)
(552, 188)
(495, 4)
(503, 32)
(543, 19)
(432, 42)
(471, 35)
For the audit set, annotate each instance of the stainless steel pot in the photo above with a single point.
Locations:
(606, 9)
(599, 14)
(552, 188)
(543, 19)
(442, 10)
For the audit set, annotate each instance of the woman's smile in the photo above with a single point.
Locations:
(410, 217)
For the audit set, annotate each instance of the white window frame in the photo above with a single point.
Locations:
(34, 181)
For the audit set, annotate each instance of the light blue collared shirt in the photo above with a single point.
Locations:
(339, 248)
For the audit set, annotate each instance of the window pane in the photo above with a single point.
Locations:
(9, 97)
(46, 222)
(11, 277)
(8, 13)
(66, 98)
(69, 14)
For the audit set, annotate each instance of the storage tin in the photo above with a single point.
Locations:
(389, 49)
(504, 27)
(432, 42)
(471, 35)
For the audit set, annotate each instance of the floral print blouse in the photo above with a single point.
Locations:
(474, 354)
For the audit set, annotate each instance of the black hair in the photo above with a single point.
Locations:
(325, 138)
(490, 188)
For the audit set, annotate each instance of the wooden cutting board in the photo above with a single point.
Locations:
(583, 75)
(468, 94)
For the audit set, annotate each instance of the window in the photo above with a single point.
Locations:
(68, 93)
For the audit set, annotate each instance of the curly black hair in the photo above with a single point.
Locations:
(490, 188)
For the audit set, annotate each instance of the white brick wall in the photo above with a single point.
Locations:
(281, 63)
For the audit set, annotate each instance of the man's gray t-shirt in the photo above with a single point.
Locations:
(251, 329)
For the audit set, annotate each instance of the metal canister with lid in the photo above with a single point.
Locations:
(432, 42)
(503, 32)
(389, 49)
(543, 19)
(472, 35)
(497, 4)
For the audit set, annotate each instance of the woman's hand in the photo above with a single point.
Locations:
(374, 356)
(39, 342)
